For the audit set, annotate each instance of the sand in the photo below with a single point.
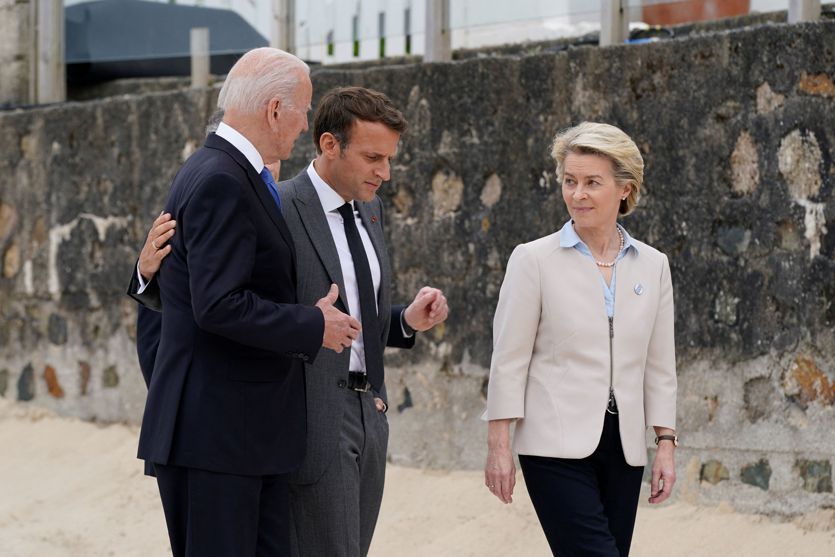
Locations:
(71, 488)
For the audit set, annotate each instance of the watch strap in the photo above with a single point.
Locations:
(410, 332)
(673, 438)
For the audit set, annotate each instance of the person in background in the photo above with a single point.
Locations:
(584, 358)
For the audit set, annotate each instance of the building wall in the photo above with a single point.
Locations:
(737, 131)
(672, 13)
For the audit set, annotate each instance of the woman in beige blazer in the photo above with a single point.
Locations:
(583, 357)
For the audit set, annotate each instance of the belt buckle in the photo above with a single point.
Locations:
(358, 381)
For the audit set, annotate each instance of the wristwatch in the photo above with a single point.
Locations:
(406, 327)
(673, 438)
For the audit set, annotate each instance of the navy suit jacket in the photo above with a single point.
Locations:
(226, 392)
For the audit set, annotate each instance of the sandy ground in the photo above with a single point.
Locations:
(70, 488)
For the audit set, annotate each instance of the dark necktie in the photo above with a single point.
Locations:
(368, 303)
(267, 176)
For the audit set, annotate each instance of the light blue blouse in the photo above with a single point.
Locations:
(570, 239)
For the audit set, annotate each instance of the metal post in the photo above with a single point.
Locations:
(50, 81)
(283, 35)
(614, 22)
(199, 57)
(438, 34)
(804, 10)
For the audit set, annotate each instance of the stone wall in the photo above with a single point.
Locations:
(737, 129)
(79, 183)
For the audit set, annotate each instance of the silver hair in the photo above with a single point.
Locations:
(258, 76)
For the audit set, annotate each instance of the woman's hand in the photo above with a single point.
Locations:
(156, 245)
(500, 471)
(663, 471)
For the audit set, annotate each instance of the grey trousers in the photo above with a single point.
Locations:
(335, 516)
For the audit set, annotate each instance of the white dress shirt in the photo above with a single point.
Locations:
(331, 201)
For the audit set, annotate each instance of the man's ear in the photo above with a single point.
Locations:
(274, 111)
(330, 145)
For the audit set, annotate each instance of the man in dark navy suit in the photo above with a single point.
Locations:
(225, 417)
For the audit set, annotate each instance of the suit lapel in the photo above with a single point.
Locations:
(315, 223)
(257, 184)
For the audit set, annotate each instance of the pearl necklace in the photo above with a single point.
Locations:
(620, 249)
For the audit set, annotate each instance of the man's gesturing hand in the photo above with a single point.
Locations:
(427, 309)
(340, 328)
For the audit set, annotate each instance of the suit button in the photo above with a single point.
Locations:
(341, 383)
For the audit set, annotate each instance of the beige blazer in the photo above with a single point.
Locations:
(550, 365)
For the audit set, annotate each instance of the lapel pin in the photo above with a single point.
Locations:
(639, 289)
(373, 219)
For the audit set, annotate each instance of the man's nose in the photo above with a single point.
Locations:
(384, 170)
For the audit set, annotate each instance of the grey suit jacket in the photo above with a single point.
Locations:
(317, 265)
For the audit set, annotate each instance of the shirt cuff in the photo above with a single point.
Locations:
(142, 284)
(408, 332)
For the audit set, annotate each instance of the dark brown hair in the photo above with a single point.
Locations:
(341, 107)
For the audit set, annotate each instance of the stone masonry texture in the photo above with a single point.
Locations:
(737, 129)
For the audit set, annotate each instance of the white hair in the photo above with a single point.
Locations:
(258, 76)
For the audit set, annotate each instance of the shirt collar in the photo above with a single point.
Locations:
(242, 144)
(569, 237)
(628, 242)
(330, 200)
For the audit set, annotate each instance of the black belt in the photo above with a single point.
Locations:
(357, 381)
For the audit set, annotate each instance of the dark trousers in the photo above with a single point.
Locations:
(224, 515)
(586, 506)
(336, 515)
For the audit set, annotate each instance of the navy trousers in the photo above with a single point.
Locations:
(224, 515)
(586, 506)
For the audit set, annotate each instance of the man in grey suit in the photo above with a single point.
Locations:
(336, 221)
